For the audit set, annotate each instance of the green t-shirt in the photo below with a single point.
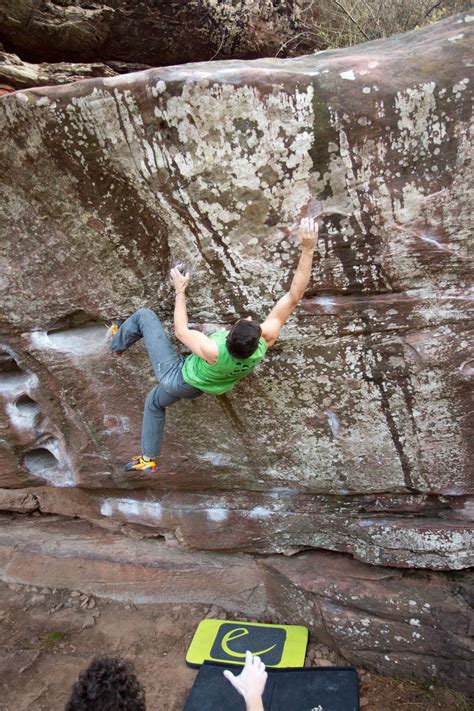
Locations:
(226, 372)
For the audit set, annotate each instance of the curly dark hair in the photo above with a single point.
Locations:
(108, 684)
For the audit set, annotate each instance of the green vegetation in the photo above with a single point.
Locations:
(53, 638)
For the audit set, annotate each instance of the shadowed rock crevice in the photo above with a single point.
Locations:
(37, 460)
(27, 406)
(156, 32)
(73, 319)
(379, 383)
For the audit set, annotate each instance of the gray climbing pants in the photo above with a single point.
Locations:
(167, 365)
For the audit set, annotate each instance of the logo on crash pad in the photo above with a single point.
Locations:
(233, 639)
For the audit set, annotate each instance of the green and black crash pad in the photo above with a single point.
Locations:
(312, 689)
(226, 641)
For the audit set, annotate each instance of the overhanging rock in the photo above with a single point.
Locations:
(108, 182)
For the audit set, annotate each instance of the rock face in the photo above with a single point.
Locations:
(403, 624)
(69, 40)
(156, 32)
(402, 531)
(354, 436)
(135, 571)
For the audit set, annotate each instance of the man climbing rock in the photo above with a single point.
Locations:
(216, 362)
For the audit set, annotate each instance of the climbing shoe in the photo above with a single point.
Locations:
(111, 331)
(138, 464)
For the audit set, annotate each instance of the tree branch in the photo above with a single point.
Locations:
(352, 19)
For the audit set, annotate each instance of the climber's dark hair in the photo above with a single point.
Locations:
(243, 338)
(108, 684)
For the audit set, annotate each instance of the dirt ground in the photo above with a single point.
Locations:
(48, 636)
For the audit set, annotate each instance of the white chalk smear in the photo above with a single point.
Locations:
(79, 341)
(24, 418)
(116, 424)
(328, 305)
(216, 458)
(12, 385)
(333, 421)
(131, 509)
(438, 245)
(260, 512)
(217, 514)
(59, 473)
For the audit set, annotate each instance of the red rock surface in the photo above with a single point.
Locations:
(404, 531)
(367, 391)
(123, 569)
(403, 624)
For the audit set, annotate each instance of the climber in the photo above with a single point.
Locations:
(216, 362)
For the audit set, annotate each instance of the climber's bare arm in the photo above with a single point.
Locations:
(308, 236)
(197, 342)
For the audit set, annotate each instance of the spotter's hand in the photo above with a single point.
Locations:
(180, 281)
(250, 683)
(308, 233)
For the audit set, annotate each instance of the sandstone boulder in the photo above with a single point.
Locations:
(355, 435)
(402, 624)
(108, 182)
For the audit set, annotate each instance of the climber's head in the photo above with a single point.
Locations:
(243, 338)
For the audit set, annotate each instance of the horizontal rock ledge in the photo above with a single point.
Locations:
(16, 74)
(401, 531)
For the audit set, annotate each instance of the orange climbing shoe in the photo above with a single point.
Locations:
(138, 464)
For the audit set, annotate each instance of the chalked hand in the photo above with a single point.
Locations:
(180, 281)
(308, 233)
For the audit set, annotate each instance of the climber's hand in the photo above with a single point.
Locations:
(180, 281)
(251, 681)
(308, 233)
